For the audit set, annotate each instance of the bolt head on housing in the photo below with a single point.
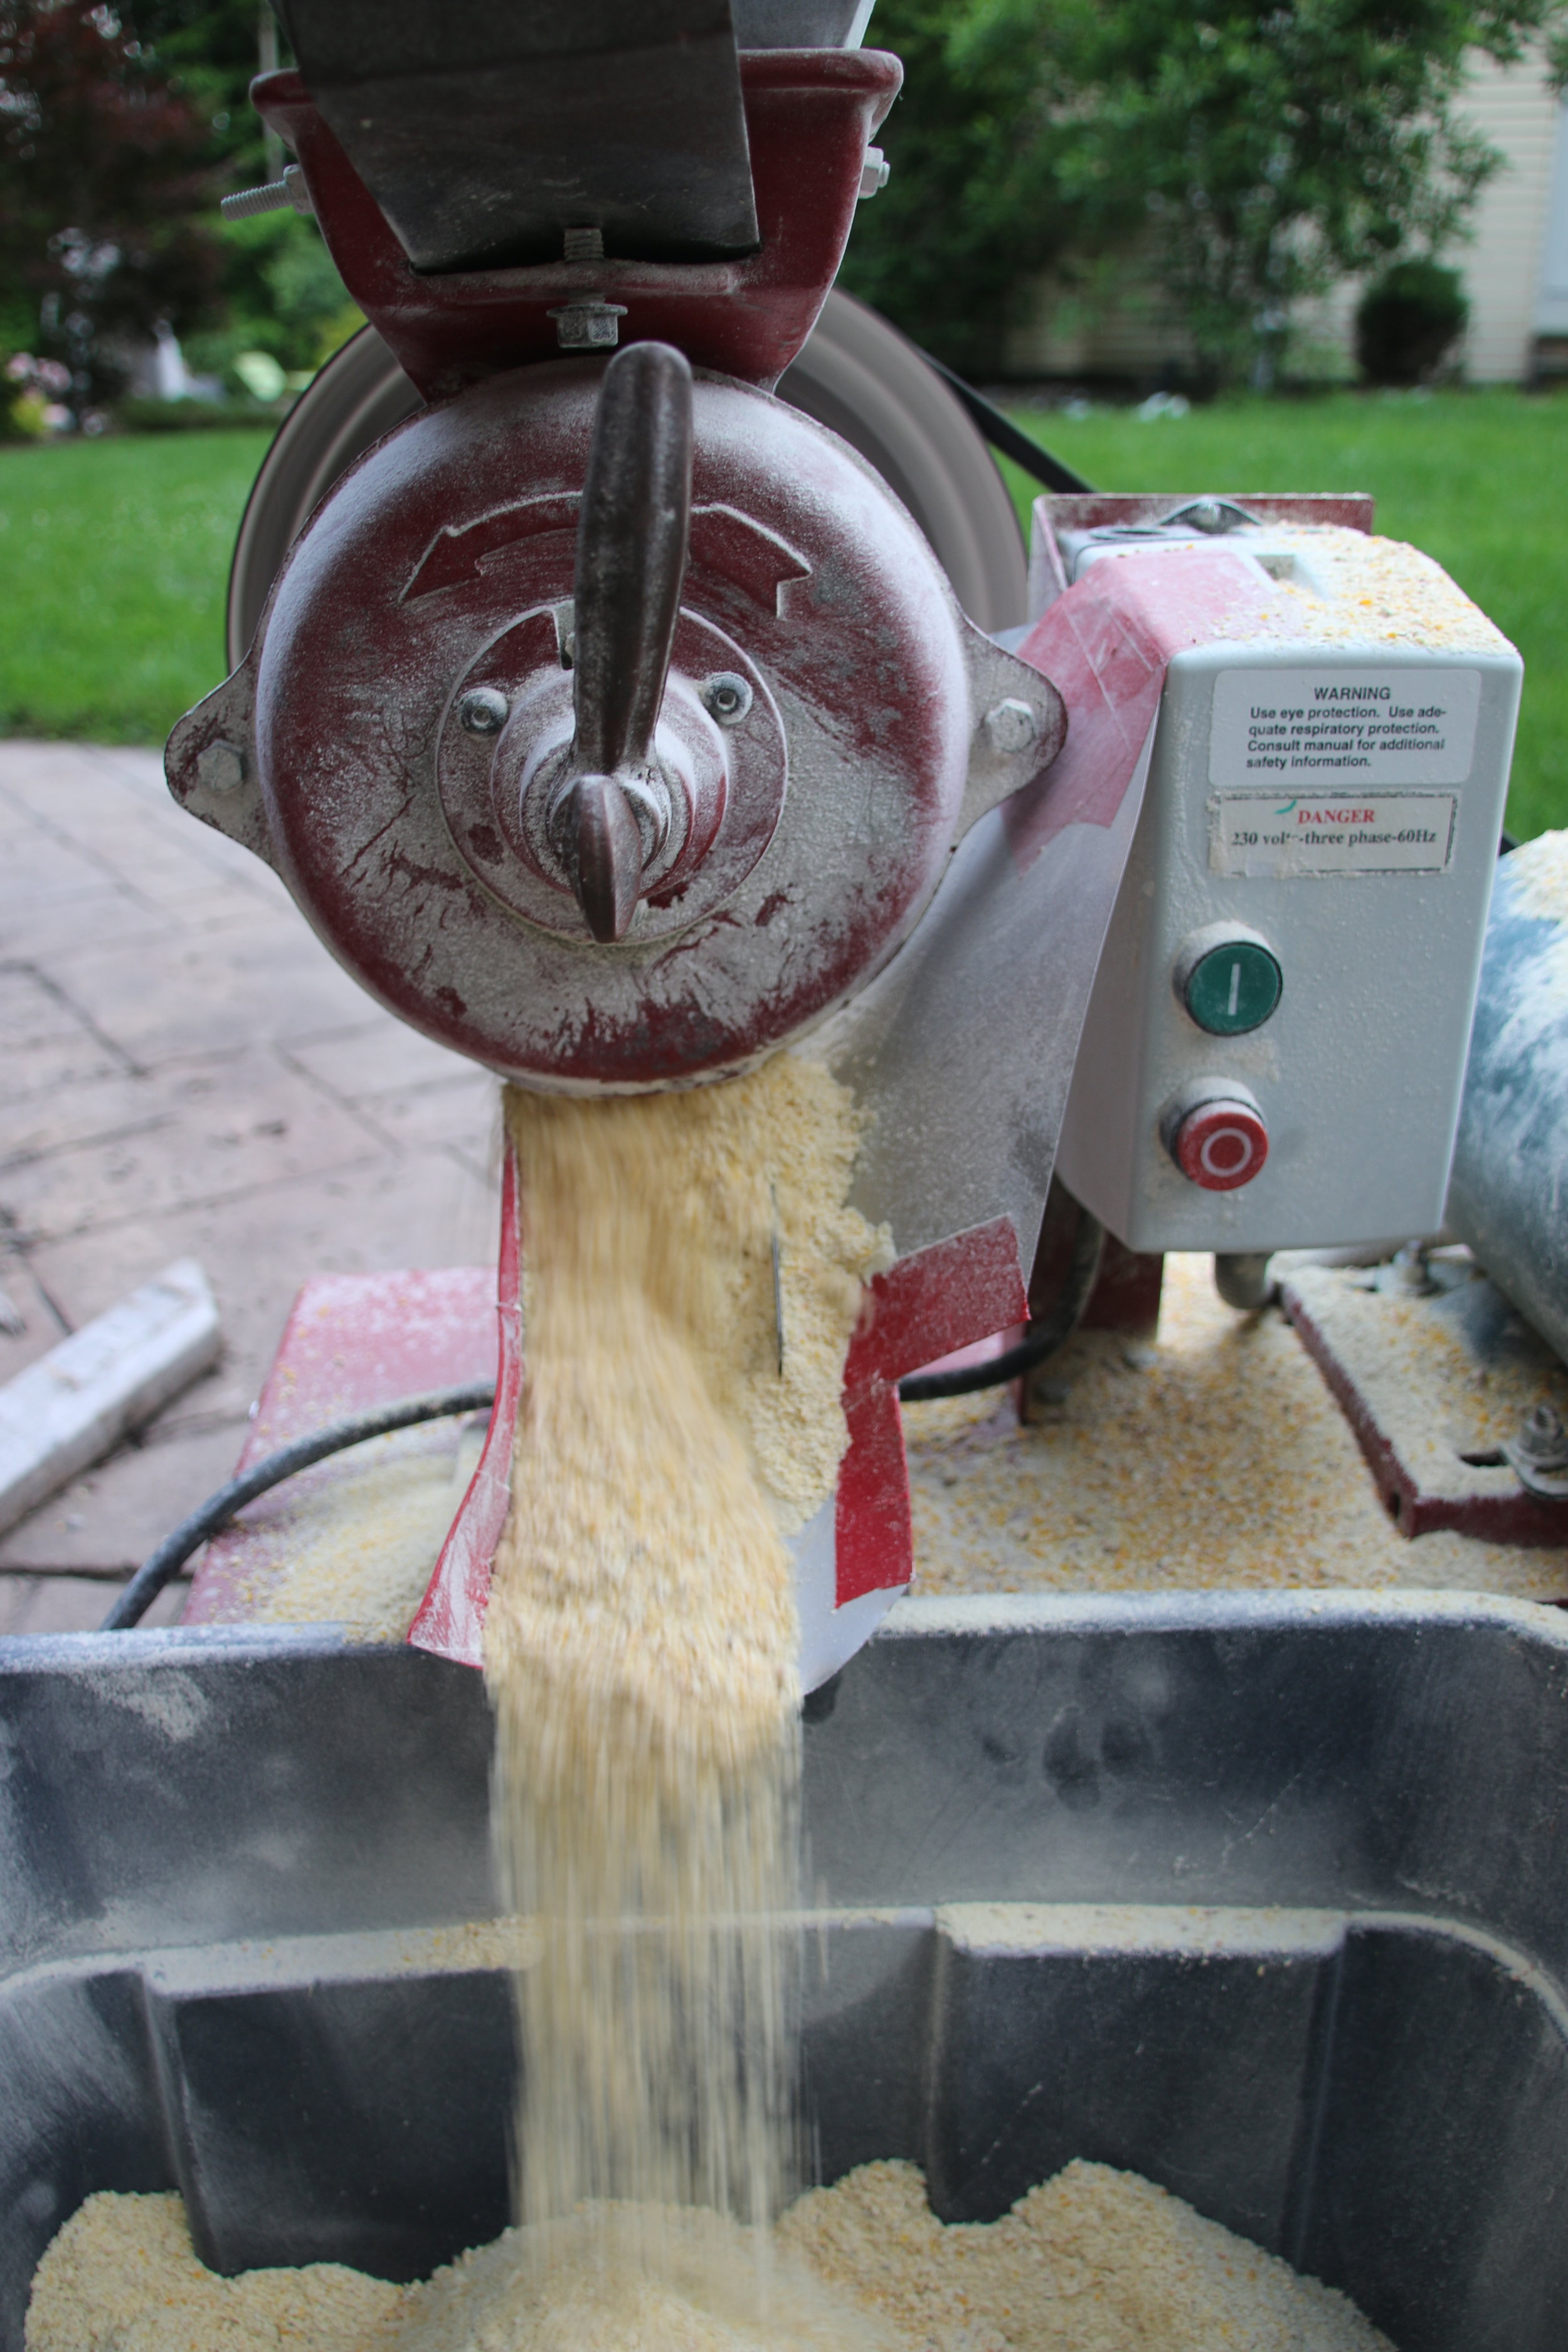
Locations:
(1011, 726)
(483, 710)
(727, 697)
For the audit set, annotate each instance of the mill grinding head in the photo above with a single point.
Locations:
(614, 787)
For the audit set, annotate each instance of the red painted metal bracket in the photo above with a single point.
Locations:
(927, 1306)
(809, 115)
(1510, 1516)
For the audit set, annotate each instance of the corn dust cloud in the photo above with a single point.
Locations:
(641, 1640)
(1095, 2260)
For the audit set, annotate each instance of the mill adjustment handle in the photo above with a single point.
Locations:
(611, 811)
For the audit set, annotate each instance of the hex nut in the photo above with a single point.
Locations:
(483, 711)
(727, 697)
(1011, 726)
(1542, 1439)
(221, 767)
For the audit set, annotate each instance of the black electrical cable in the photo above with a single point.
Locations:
(172, 1554)
(1042, 1338)
(1004, 435)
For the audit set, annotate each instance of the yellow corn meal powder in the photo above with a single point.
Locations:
(122, 2276)
(1095, 2260)
(641, 1642)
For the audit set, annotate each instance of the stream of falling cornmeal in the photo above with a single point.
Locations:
(641, 1646)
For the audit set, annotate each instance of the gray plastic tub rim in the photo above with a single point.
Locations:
(941, 1615)
(912, 1618)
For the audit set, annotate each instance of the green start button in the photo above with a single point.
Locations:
(1233, 987)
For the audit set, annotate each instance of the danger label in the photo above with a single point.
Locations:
(1279, 833)
(1331, 726)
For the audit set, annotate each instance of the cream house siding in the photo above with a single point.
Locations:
(1515, 110)
(1552, 303)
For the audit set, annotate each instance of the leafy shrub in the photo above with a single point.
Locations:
(1408, 322)
(191, 415)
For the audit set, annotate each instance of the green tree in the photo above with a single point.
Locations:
(104, 184)
(978, 202)
(1248, 151)
(212, 50)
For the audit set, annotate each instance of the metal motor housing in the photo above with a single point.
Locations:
(442, 565)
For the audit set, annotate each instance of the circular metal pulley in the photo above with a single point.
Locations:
(857, 374)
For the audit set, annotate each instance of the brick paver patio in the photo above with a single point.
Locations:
(184, 1070)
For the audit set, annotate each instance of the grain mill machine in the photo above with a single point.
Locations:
(636, 669)
(635, 672)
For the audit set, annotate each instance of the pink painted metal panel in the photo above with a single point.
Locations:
(451, 1617)
(352, 1340)
(1105, 645)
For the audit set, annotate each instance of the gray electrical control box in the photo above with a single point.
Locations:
(1276, 1043)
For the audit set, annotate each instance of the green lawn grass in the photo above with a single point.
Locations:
(1479, 480)
(113, 553)
(113, 563)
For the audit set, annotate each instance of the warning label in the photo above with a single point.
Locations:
(1327, 727)
(1279, 833)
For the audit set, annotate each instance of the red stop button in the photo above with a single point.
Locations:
(1221, 1144)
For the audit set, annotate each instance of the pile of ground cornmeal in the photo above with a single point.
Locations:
(1096, 2261)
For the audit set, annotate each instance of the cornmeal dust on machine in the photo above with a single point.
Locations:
(937, 1722)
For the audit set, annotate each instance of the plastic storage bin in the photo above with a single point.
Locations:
(1264, 1897)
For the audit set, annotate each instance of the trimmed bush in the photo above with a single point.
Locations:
(191, 415)
(1408, 320)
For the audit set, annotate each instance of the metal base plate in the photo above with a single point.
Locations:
(1432, 1385)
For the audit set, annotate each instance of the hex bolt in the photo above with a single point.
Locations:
(221, 767)
(586, 324)
(483, 710)
(1542, 1440)
(1011, 726)
(275, 197)
(728, 698)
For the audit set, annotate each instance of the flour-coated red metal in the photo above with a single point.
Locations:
(352, 1341)
(446, 558)
(810, 115)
